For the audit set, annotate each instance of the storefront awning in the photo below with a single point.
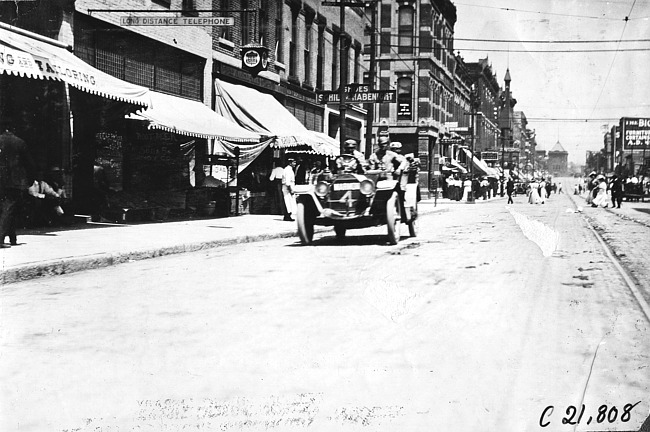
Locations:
(480, 166)
(46, 61)
(453, 165)
(263, 114)
(192, 118)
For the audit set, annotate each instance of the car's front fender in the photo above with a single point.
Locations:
(306, 194)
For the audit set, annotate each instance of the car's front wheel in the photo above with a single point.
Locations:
(393, 218)
(305, 220)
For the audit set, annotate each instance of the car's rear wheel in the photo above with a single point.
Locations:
(393, 218)
(305, 220)
(340, 231)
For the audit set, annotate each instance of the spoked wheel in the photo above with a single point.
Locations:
(305, 221)
(413, 222)
(393, 218)
(340, 232)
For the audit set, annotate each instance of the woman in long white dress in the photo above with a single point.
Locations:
(601, 199)
(533, 194)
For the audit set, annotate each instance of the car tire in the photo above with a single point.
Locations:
(305, 222)
(393, 218)
(340, 231)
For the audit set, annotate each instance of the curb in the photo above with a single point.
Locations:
(69, 265)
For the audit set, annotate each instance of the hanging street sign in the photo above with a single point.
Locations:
(367, 96)
(176, 21)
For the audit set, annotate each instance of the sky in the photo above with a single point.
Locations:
(588, 91)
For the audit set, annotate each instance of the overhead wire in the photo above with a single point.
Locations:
(609, 71)
(546, 13)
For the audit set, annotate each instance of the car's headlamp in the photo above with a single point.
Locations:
(321, 189)
(367, 187)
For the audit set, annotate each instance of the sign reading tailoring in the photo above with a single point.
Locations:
(635, 133)
(176, 21)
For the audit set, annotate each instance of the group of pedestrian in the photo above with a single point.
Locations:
(600, 192)
(540, 189)
(24, 192)
(16, 176)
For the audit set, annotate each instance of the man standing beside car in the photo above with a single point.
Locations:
(288, 185)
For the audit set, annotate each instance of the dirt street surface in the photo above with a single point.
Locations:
(628, 238)
(495, 318)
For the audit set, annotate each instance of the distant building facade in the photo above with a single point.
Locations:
(558, 160)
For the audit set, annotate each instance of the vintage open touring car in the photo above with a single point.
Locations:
(351, 200)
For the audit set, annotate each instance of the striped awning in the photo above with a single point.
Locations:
(31, 57)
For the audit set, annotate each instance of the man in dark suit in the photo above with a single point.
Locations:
(510, 188)
(16, 175)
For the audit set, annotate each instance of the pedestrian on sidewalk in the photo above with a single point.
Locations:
(277, 173)
(16, 174)
(288, 186)
(510, 188)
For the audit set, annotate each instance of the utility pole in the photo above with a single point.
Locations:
(473, 105)
(505, 131)
(342, 69)
(370, 108)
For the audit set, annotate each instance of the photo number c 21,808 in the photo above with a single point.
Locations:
(605, 414)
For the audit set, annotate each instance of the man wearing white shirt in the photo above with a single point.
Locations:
(288, 184)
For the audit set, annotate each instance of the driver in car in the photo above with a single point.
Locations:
(352, 160)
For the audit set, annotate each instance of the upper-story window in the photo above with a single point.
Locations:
(279, 40)
(225, 32)
(405, 30)
(335, 60)
(320, 57)
(357, 63)
(309, 21)
(263, 22)
(385, 18)
(404, 98)
(293, 43)
(247, 22)
(189, 8)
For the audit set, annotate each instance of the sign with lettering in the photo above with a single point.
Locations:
(369, 96)
(635, 133)
(451, 141)
(176, 21)
(489, 156)
(18, 63)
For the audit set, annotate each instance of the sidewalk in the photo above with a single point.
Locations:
(55, 251)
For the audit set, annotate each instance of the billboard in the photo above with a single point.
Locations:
(635, 133)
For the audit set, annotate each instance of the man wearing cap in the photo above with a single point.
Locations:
(353, 164)
(386, 159)
(401, 164)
